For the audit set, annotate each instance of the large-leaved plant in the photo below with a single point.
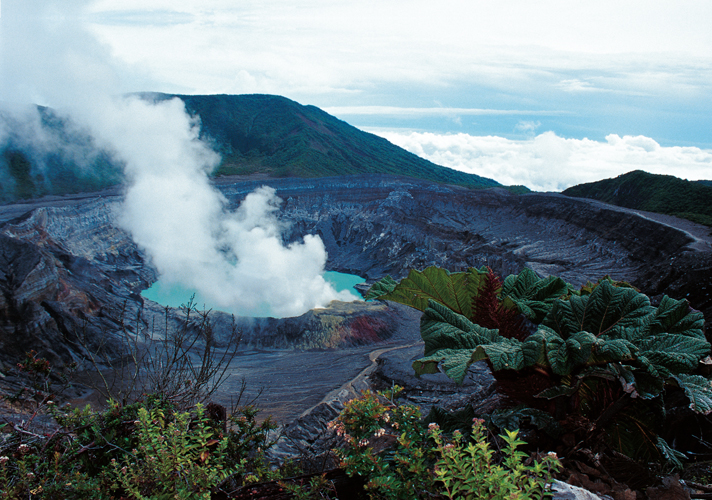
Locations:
(604, 353)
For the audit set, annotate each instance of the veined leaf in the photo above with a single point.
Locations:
(534, 350)
(608, 350)
(533, 296)
(608, 310)
(670, 454)
(675, 353)
(454, 290)
(380, 288)
(675, 316)
(454, 343)
(441, 328)
(698, 390)
(454, 363)
(565, 356)
(651, 368)
(504, 355)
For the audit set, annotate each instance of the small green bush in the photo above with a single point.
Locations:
(399, 457)
(467, 470)
(146, 449)
(182, 459)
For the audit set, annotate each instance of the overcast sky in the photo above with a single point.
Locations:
(546, 93)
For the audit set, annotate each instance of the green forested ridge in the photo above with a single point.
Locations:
(253, 133)
(280, 137)
(663, 194)
(65, 160)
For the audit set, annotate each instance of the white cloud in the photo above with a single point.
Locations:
(576, 85)
(548, 162)
(527, 127)
(315, 47)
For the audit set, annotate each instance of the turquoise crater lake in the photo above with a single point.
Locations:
(175, 295)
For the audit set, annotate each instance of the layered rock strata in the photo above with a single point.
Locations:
(66, 269)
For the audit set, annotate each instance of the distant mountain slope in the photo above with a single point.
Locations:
(45, 154)
(49, 155)
(275, 135)
(663, 194)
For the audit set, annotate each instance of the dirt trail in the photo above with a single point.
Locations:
(289, 383)
(353, 387)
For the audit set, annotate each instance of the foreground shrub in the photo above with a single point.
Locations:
(399, 457)
(184, 458)
(468, 472)
(146, 449)
(143, 450)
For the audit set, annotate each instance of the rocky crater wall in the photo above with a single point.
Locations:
(65, 267)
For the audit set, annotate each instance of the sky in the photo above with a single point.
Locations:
(547, 94)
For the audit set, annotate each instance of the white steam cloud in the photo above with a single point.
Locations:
(548, 162)
(236, 259)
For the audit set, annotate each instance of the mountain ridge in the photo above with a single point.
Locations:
(664, 194)
(253, 133)
(261, 133)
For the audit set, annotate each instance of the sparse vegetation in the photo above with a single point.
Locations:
(182, 363)
(400, 456)
(145, 448)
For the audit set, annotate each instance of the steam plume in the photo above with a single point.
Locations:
(236, 259)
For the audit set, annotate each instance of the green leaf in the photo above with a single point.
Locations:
(608, 350)
(608, 310)
(450, 342)
(453, 290)
(675, 316)
(532, 296)
(454, 363)
(565, 356)
(534, 350)
(381, 287)
(442, 328)
(674, 353)
(505, 355)
(673, 456)
(698, 390)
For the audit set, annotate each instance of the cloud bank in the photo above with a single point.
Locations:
(548, 162)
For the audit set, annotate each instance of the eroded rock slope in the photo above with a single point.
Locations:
(65, 267)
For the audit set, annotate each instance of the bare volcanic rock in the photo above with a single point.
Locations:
(339, 325)
(68, 278)
(378, 225)
(66, 268)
